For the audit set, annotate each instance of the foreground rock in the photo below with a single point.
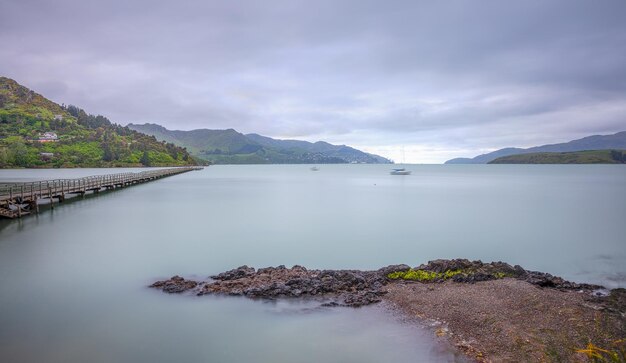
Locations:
(491, 311)
(353, 287)
(174, 285)
(337, 287)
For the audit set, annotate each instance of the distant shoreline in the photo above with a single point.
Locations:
(101, 167)
(570, 157)
(488, 311)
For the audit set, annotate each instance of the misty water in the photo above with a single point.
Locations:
(73, 280)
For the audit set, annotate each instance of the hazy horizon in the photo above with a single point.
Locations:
(439, 80)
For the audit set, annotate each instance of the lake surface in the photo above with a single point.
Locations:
(74, 279)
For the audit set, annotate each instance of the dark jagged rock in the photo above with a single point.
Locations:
(345, 287)
(546, 280)
(448, 265)
(342, 287)
(363, 298)
(239, 272)
(473, 267)
(393, 268)
(175, 285)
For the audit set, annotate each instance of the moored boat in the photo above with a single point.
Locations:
(400, 171)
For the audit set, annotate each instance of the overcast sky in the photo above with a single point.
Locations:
(440, 79)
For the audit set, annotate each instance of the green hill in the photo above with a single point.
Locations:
(36, 132)
(574, 157)
(231, 147)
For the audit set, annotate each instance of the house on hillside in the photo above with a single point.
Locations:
(47, 137)
(58, 117)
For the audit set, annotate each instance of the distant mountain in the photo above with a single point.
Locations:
(570, 157)
(231, 147)
(199, 141)
(596, 142)
(36, 132)
(337, 151)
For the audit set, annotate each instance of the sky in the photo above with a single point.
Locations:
(432, 80)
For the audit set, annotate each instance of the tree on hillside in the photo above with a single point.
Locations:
(17, 151)
(4, 157)
(73, 110)
(145, 159)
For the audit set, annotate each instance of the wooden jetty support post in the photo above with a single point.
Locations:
(21, 199)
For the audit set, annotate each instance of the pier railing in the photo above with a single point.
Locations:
(21, 198)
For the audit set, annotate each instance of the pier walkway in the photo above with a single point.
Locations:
(20, 199)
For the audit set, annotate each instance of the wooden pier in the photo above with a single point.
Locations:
(21, 199)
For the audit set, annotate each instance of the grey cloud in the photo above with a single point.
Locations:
(460, 74)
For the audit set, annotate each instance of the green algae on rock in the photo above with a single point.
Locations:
(423, 275)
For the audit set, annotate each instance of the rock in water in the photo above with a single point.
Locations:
(353, 287)
(175, 285)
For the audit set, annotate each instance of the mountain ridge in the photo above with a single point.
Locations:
(593, 142)
(232, 147)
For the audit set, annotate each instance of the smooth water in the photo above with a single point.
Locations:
(73, 280)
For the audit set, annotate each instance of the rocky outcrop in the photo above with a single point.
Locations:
(476, 271)
(239, 272)
(341, 287)
(353, 287)
(546, 280)
(384, 271)
(175, 285)
(336, 287)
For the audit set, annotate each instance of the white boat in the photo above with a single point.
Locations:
(315, 168)
(401, 171)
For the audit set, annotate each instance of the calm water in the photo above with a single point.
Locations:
(73, 279)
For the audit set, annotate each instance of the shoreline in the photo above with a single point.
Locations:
(488, 311)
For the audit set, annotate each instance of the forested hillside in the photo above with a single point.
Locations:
(36, 132)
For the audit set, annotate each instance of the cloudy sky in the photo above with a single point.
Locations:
(439, 79)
